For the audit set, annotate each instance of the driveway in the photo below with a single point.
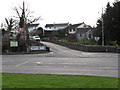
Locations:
(62, 60)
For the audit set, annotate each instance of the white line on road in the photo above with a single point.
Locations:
(66, 63)
(58, 63)
(22, 63)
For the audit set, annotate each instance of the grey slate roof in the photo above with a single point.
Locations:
(84, 30)
(32, 25)
(74, 26)
(57, 25)
(49, 25)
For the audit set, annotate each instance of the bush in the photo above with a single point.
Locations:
(114, 43)
(5, 43)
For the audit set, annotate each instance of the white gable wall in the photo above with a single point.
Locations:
(72, 31)
(82, 25)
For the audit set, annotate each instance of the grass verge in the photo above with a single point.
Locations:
(18, 53)
(11, 80)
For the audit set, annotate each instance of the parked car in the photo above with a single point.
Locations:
(36, 38)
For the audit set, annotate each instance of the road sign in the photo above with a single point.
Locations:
(97, 38)
(21, 30)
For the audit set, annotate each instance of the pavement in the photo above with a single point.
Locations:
(62, 60)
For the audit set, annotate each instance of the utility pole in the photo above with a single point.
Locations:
(103, 37)
(24, 21)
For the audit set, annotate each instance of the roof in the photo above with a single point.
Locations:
(57, 25)
(74, 26)
(32, 25)
(49, 25)
(82, 30)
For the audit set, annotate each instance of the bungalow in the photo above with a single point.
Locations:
(55, 27)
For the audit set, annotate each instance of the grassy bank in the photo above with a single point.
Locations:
(57, 81)
(19, 53)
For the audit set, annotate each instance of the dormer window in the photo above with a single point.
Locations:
(70, 30)
(73, 30)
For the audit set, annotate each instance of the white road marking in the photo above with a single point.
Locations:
(66, 63)
(58, 63)
(22, 63)
(38, 62)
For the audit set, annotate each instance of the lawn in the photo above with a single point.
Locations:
(85, 41)
(63, 40)
(11, 80)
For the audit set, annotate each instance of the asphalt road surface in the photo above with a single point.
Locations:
(62, 60)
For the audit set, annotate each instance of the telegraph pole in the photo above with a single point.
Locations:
(103, 37)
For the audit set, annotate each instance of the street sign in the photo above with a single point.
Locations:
(97, 38)
(21, 30)
(36, 48)
(13, 43)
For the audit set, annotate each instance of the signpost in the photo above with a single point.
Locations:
(13, 43)
(21, 30)
(96, 39)
(36, 48)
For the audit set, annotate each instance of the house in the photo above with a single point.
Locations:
(84, 33)
(80, 31)
(73, 28)
(55, 27)
(32, 27)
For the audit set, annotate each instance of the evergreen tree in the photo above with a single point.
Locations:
(111, 19)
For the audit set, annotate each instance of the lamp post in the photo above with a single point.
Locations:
(103, 40)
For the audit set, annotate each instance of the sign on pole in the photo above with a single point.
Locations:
(13, 43)
(97, 38)
(21, 30)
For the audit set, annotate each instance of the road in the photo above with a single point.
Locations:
(62, 60)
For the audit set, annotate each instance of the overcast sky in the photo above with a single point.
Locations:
(58, 11)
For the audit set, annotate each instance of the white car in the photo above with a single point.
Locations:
(36, 38)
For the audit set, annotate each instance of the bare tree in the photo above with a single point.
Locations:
(25, 15)
(10, 24)
(25, 18)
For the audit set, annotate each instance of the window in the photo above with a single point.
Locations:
(89, 36)
(74, 30)
(70, 30)
(80, 35)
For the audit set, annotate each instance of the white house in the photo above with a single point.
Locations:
(73, 28)
(80, 31)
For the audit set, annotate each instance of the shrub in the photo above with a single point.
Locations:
(5, 43)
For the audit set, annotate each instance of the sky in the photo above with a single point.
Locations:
(58, 11)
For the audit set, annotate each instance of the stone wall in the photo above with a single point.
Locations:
(86, 48)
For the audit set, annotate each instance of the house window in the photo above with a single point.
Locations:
(74, 30)
(89, 35)
(70, 30)
(80, 35)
